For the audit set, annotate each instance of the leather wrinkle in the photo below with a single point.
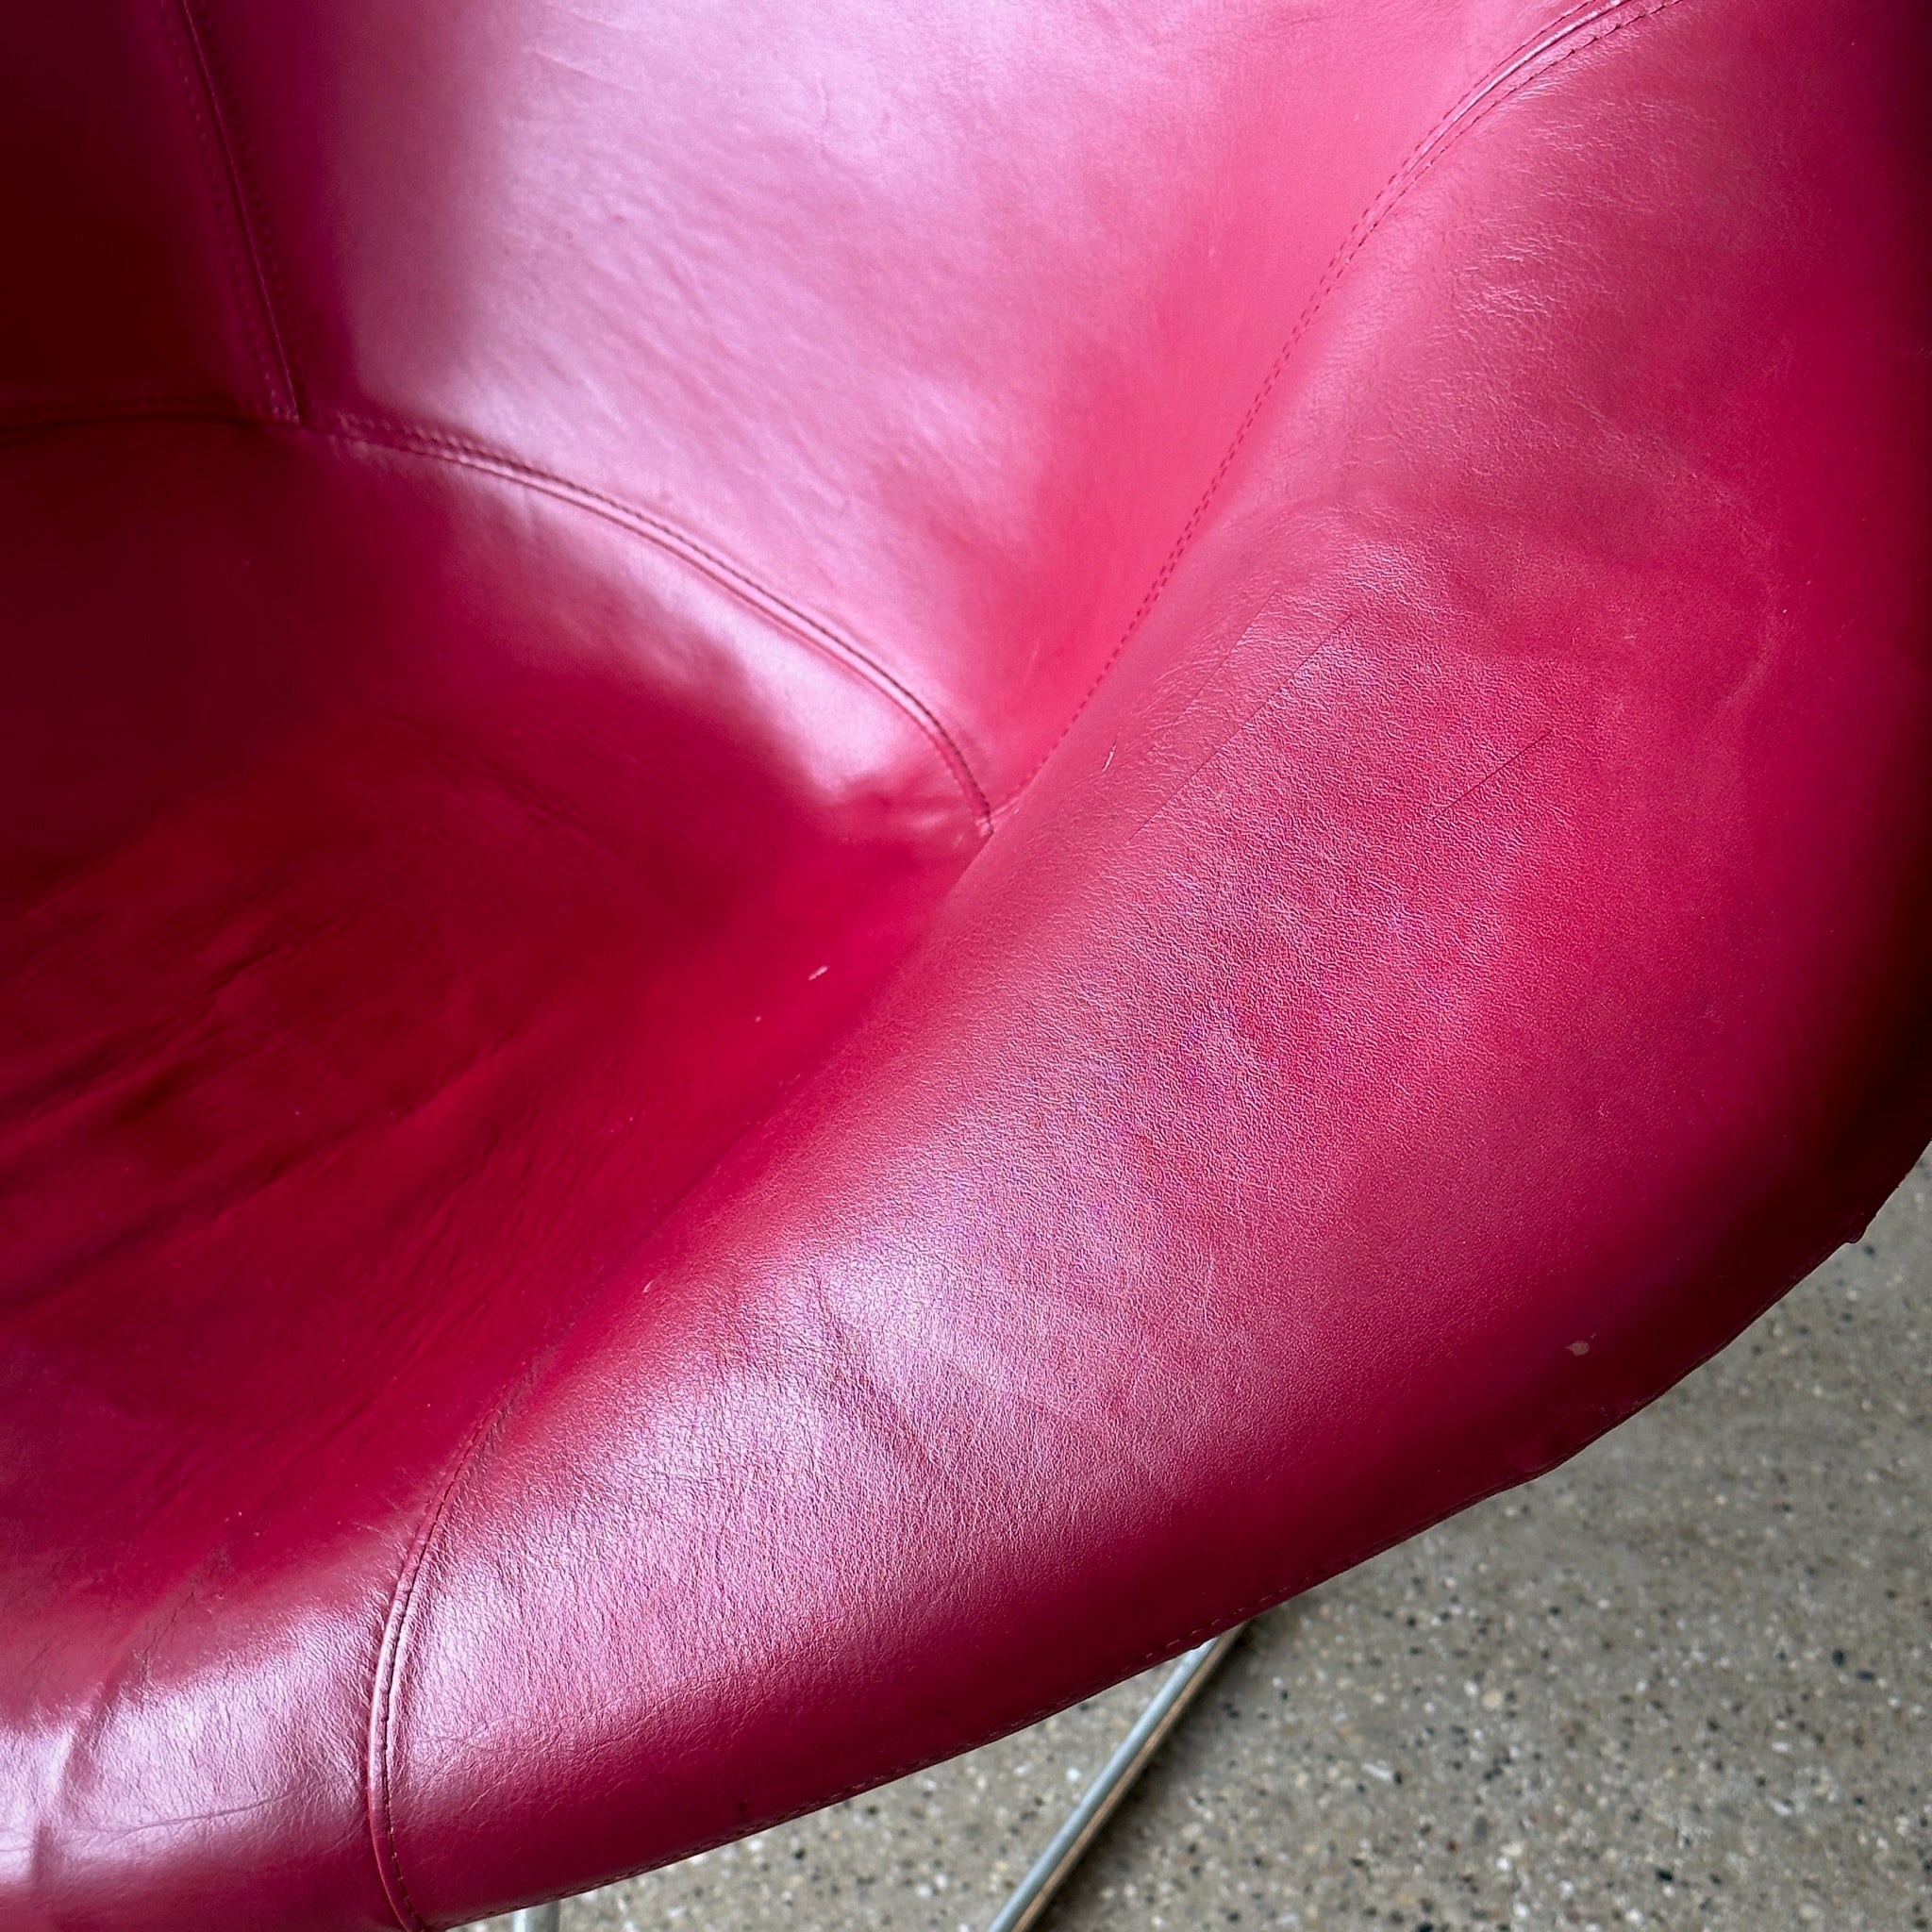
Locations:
(1282, 688)
(1540, 54)
(1494, 772)
(1303, 1580)
(227, 163)
(1297, 1583)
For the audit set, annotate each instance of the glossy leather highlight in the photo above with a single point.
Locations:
(853, 859)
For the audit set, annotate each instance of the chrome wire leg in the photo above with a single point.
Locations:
(1055, 1865)
(536, 1918)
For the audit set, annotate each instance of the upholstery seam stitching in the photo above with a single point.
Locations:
(192, 71)
(433, 446)
(1540, 54)
(379, 433)
(376, 1779)
(264, 324)
(380, 1770)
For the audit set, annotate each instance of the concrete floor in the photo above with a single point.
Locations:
(1680, 1683)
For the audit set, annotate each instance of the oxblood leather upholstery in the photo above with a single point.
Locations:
(855, 856)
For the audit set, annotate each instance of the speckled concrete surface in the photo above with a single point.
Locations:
(1681, 1683)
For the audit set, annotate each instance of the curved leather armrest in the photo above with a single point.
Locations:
(1448, 979)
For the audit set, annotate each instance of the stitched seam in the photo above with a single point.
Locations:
(411, 439)
(285, 398)
(377, 1781)
(191, 70)
(439, 447)
(379, 1775)
(382, 1700)
(1540, 54)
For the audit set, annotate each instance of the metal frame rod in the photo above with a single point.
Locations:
(1070, 1845)
(538, 1918)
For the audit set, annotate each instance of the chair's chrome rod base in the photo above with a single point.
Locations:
(536, 1918)
(1055, 1865)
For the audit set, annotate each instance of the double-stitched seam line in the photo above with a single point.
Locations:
(228, 159)
(379, 1777)
(245, 288)
(1548, 48)
(409, 439)
(377, 1780)
(439, 447)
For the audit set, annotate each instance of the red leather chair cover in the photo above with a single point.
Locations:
(855, 856)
